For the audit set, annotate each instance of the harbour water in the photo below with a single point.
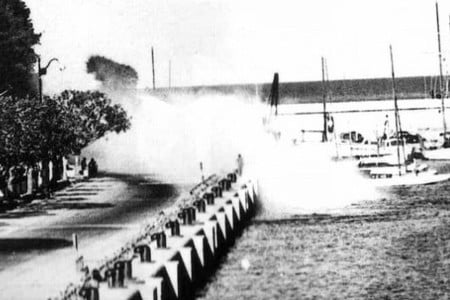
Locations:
(367, 117)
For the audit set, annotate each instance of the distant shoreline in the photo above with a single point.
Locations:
(418, 87)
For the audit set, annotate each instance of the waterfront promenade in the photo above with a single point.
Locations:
(37, 257)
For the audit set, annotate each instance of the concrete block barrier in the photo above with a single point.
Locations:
(174, 260)
(144, 252)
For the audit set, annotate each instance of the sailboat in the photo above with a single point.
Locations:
(348, 145)
(393, 170)
(442, 152)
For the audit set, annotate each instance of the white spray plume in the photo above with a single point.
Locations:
(170, 139)
(303, 179)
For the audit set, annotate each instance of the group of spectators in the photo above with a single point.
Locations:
(20, 180)
(91, 167)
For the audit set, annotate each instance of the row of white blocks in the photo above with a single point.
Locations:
(175, 271)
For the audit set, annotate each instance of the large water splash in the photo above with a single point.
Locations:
(170, 138)
(303, 179)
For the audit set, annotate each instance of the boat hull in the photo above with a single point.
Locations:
(422, 178)
(437, 154)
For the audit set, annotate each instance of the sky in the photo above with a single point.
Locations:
(239, 41)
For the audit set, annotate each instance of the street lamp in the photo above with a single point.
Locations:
(41, 72)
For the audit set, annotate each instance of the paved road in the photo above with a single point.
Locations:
(104, 212)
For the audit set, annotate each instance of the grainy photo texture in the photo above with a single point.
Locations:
(224, 149)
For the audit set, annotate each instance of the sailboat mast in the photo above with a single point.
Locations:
(447, 80)
(324, 100)
(327, 82)
(441, 76)
(394, 92)
(333, 132)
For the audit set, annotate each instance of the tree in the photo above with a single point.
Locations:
(73, 120)
(19, 131)
(87, 116)
(17, 57)
(32, 131)
(111, 74)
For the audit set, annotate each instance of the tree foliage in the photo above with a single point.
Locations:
(17, 57)
(111, 74)
(18, 130)
(31, 131)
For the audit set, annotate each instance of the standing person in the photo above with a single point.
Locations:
(3, 183)
(240, 164)
(330, 126)
(92, 168)
(83, 165)
(386, 128)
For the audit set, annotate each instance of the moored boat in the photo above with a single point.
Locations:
(395, 169)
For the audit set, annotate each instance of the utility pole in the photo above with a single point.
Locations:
(39, 79)
(153, 69)
(42, 72)
(441, 76)
(327, 81)
(324, 101)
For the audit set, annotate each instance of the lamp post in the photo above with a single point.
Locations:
(42, 71)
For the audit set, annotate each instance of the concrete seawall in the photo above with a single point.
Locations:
(173, 259)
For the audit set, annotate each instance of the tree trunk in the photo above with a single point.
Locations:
(4, 183)
(45, 174)
(56, 171)
(54, 174)
(60, 168)
(10, 183)
(64, 168)
(30, 180)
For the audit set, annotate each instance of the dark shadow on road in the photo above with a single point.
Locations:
(26, 244)
(64, 199)
(76, 194)
(24, 214)
(85, 205)
(90, 190)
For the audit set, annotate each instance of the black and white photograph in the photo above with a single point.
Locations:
(224, 149)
